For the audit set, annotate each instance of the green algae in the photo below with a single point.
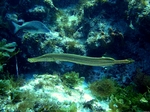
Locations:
(128, 99)
(103, 88)
(71, 79)
(7, 50)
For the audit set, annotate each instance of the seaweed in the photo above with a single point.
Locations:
(71, 79)
(54, 107)
(128, 99)
(5, 87)
(28, 101)
(7, 50)
(103, 88)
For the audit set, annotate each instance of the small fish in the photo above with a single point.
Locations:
(32, 27)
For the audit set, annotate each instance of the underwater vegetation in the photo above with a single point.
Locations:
(72, 79)
(47, 93)
(7, 50)
(133, 97)
(67, 23)
(102, 88)
(142, 81)
(52, 107)
(5, 87)
(59, 93)
(128, 99)
(86, 29)
(10, 92)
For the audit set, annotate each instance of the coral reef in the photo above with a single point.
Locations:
(94, 28)
(49, 93)
(65, 3)
(37, 12)
(53, 42)
(49, 3)
(68, 21)
(138, 14)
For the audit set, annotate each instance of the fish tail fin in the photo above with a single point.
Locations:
(16, 27)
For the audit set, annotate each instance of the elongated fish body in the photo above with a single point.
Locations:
(83, 60)
(32, 27)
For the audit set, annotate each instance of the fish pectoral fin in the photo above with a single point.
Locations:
(58, 62)
(24, 31)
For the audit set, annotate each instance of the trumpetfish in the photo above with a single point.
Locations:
(78, 59)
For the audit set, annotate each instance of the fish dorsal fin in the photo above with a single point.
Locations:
(16, 27)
